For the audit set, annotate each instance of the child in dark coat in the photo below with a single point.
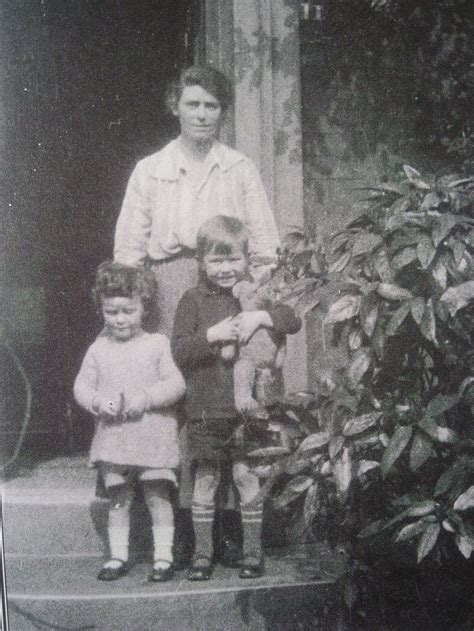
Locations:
(208, 317)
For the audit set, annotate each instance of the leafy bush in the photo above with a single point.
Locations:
(384, 448)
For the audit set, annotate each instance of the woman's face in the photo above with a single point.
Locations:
(199, 114)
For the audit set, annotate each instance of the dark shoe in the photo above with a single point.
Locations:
(231, 555)
(113, 573)
(252, 567)
(200, 570)
(161, 575)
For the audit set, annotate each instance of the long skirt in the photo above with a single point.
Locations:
(174, 276)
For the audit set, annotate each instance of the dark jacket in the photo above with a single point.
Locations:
(209, 380)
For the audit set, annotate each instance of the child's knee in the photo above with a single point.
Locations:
(206, 483)
(121, 496)
(246, 482)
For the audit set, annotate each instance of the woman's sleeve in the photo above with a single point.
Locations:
(264, 238)
(171, 386)
(188, 343)
(85, 385)
(132, 232)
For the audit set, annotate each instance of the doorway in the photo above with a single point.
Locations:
(84, 82)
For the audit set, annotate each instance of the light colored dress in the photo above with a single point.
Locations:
(141, 363)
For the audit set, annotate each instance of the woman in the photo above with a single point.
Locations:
(195, 177)
(172, 192)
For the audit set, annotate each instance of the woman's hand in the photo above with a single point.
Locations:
(223, 331)
(251, 321)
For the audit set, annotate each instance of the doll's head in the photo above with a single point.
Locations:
(125, 296)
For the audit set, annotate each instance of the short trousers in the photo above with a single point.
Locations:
(118, 474)
(226, 439)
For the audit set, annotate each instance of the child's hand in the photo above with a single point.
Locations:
(135, 403)
(223, 331)
(108, 405)
(251, 321)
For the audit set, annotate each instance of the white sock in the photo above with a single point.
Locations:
(163, 546)
(118, 542)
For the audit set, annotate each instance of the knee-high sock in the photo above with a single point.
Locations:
(252, 518)
(203, 520)
(203, 506)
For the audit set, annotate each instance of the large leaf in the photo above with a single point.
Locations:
(344, 309)
(417, 309)
(293, 490)
(440, 273)
(366, 465)
(466, 500)
(361, 423)
(335, 446)
(404, 258)
(396, 446)
(342, 471)
(366, 242)
(355, 340)
(382, 265)
(464, 545)
(444, 224)
(458, 297)
(398, 318)
(393, 292)
(425, 250)
(411, 530)
(428, 322)
(359, 365)
(268, 452)
(449, 477)
(440, 434)
(310, 509)
(428, 541)
(415, 177)
(441, 403)
(369, 311)
(314, 441)
(340, 264)
(421, 451)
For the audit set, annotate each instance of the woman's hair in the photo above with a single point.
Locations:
(116, 280)
(222, 235)
(210, 79)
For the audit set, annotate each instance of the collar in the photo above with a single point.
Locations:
(171, 160)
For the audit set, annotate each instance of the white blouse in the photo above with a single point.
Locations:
(162, 210)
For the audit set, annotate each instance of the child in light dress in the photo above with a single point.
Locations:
(131, 385)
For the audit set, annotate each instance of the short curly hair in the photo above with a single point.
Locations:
(210, 79)
(116, 280)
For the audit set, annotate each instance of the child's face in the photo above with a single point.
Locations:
(123, 316)
(225, 270)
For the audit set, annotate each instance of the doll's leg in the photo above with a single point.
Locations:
(244, 379)
(264, 382)
(252, 517)
(157, 497)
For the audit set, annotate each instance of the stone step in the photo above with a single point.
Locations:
(62, 593)
(51, 509)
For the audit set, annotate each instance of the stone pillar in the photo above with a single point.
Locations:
(256, 43)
